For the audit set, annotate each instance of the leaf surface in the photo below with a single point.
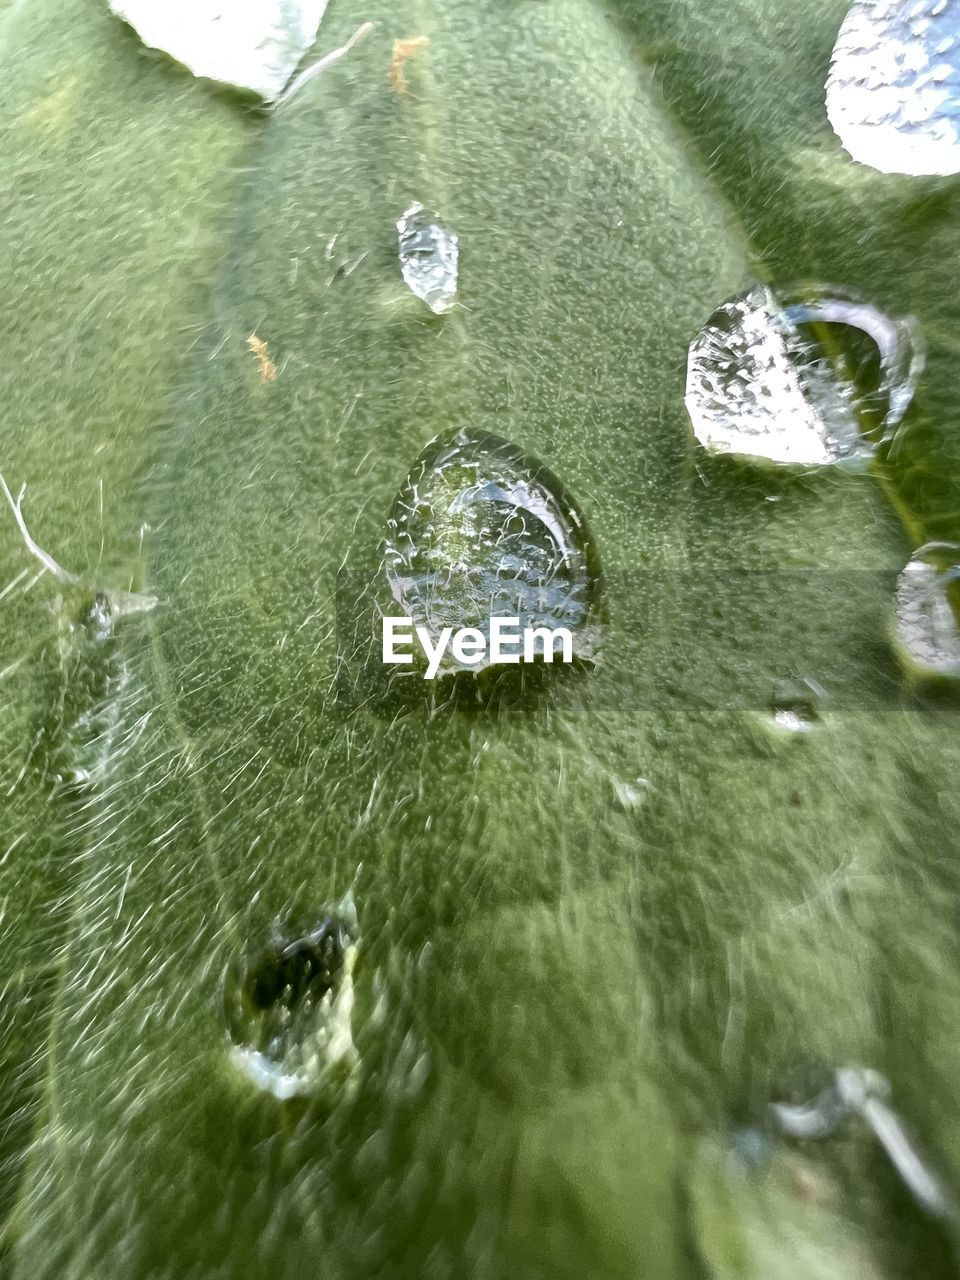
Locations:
(560, 995)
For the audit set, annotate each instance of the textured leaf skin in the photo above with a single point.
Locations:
(116, 183)
(564, 1008)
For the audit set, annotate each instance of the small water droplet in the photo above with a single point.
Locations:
(289, 1003)
(481, 530)
(429, 255)
(100, 614)
(803, 376)
(631, 796)
(893, 92)
(792, 721)
(928, 610)
(797, 704)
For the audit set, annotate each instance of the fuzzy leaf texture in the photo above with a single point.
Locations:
(568, 1008)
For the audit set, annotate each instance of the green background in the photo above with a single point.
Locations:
(567, 1006)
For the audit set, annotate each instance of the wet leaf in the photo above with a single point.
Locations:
(556, 998)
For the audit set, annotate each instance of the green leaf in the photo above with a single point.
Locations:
(598, 931)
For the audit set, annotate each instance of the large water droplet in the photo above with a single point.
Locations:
(805, 376)
(252, 46)
(893, 92)
(928, 610)
(481, 530)
(289, 1004)
(429, 255)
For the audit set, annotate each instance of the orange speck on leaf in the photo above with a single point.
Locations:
(268, 370)
(402, 49)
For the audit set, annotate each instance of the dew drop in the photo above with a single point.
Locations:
(289, 1004)
(803, 376)
(631, 796)
(928, 610)
(99, 615)
(481, 530)
(797, 704)
(791, 721)
(893, 91)
(429, 254)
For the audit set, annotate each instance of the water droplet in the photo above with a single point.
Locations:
(99, 616)
(251, 46)
(791, 721)
(481, 530)
(631, 796)
(429, 254)
(893, 92)
(796, 704)
(289, 1003)
(928, 610)
(803, 376)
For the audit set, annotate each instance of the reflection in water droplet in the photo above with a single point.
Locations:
(289, 1004)
(481, 530)
(631, 796)
(928, 610)
(796, 704)
(429, 255)
(810, 377)
(893, 92)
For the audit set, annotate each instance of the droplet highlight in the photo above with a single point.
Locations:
(289, 1004)
(893, 91)
(801, 376)
(928, 611)
(797, 705)
(429, 257)
(482, 530)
